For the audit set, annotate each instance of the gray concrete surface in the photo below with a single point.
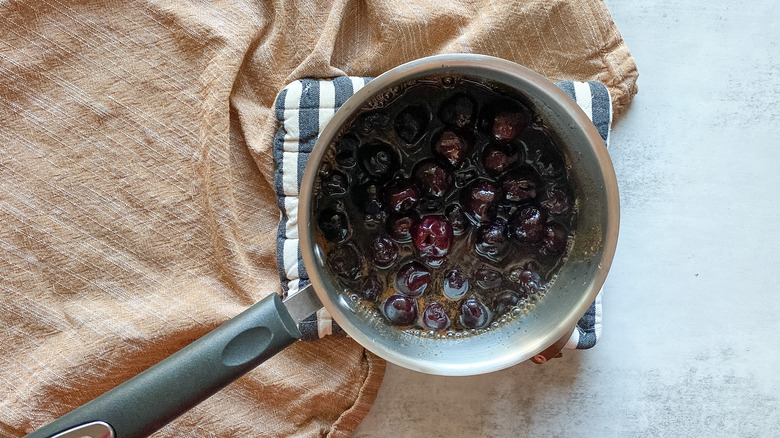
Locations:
(692, 303)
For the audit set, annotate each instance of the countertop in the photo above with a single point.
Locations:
(691, 326)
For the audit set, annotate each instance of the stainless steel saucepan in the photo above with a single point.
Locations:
(153, 398)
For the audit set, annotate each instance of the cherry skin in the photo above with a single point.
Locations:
(435, 317)
(400, 310)
(368, 199)
(432, 237)
(371, 288)
(458, 111)
(401, 196)
(480, 200)
(399, 227)
(504, 301)
(372, 121)
(457, 219)
(527, 225)
(492, 239)
(433, 180)
(487, 278)
(383, 251)
(411, 123)
(497, 158)
(530, 282)
(412, 279)
(335, 182)
(456, 284)
(451, 148)
(556, 201)
(554, 240)
(333, 224)
(509, 121)
(345, 261)
(543, 154)
(474, 314)
(378, 160)
(346, 150)
(519, 186)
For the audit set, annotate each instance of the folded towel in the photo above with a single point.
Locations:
(303, 108)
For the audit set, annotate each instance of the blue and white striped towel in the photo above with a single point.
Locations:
(303, 108)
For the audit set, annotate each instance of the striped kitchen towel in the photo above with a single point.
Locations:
(303, 108)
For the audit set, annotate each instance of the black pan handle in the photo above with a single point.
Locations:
(153, 398)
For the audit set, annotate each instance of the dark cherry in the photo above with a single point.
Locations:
(435, 317)
(480, 200)
(508, 121)
(492, 239)
(374, 120)
(528, 224)
(383, 252)
(530, 282)
(412, 279)
(457, 219)
(451, 148)
(543, 154)
(555, 200)
(519, 186)
(474, 314)
(345, 261)
(432, 237)
(367, 198)
(433, 180)
(497, 158)
(487, 278)
(401, 196)
(457, 111)
(532, 265)
(346, 150)
(411, 123)
(371, 288)
(399, 227)
(400, 310)
(465, 175)
(333, 224)
(379, 160)
(335, 182)
(504, 301)
(518, 274)
(554, 241)
(456, 284)
(430, 205)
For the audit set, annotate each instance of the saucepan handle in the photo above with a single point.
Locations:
(153, 398)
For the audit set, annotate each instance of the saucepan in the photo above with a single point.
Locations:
(153, 398)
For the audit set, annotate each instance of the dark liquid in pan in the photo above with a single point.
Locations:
(445, 206)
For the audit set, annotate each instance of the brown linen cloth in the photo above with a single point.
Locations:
(136, 203)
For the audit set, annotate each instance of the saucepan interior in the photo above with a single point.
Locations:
(580, 277)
